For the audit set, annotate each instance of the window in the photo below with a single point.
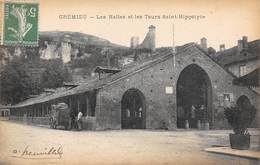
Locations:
(226, 97)
(242, 70)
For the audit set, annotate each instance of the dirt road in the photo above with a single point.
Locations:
(24, 144)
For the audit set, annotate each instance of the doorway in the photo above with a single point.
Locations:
(194, 97)
(133, 109)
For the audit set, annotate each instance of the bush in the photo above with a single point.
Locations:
(240, 118)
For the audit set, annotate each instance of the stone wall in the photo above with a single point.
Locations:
(31, 120)
(89, 123)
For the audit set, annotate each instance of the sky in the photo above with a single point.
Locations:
(222, 21)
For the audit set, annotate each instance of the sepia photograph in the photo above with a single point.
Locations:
(141, 82)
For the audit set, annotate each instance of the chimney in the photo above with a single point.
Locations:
(151, 28)
(245, 43)
(203, 43)
(152, 37)
(149, 40)
(222, 47)
(240, 45)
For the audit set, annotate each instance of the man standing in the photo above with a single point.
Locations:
(193, 116)
(72, 120)
(79, 120)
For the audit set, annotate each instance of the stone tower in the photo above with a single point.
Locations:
(203, 43)
(149, 40)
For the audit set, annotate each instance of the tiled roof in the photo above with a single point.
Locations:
(4, 107)
(159, 55)
(232, 55)
(251, 79)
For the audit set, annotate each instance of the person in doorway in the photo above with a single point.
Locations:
(193, 111)
(203, 113)
(140, 111)
(79, 120)
(193, 116)
(72, 119)
(180, 117)
(53, 116)
(128, 114)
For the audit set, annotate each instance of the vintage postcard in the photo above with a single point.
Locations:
(129, 82)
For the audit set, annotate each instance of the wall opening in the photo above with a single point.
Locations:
(133, 110)
(243, 101)
(194, 97)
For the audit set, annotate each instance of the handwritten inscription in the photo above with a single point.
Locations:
(45, 153)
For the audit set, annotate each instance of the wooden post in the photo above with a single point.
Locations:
(47, 109)
(88, 106)
(70, 102)
(42, 110)
(37, 110)
(34, 111)
(86, 95)
(78, 104)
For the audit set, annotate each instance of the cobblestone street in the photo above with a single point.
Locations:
(112, 147)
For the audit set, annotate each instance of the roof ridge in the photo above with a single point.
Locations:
(250, 42)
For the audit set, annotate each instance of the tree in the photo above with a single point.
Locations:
(211, 51)
(14, 82)
(55, 74)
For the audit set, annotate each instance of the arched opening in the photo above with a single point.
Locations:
(243, 101)
(194, 97)
(133, 110)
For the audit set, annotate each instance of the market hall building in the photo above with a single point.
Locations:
(157, 92)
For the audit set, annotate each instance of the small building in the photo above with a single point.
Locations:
(240, 59)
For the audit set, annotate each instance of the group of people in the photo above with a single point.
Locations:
(76, 120)
(61, 114)
(198, 113)
(192, 114)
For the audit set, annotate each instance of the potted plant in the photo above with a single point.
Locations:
(240, 118)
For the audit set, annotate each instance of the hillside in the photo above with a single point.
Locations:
(82, 51)
(77, 38)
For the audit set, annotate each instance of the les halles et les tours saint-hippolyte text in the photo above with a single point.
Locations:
(132, 16)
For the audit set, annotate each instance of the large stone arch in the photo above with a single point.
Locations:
(193, 87)
(133, 109)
